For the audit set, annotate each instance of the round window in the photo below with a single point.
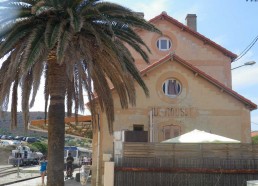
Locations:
(163, 44)
(171, 88)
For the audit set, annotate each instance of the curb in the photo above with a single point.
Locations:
(19, 181)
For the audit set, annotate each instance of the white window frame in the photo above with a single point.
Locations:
(168, 43)
(165, 88)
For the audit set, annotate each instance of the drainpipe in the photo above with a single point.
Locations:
(151, 127)
(97, 180)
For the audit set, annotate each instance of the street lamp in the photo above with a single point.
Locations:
(245, 64)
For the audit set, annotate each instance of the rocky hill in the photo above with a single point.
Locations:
(5, 124)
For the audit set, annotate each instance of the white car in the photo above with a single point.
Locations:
(15, 142)
(4, 143)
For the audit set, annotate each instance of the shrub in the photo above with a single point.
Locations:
(255, 140)
(40, 146)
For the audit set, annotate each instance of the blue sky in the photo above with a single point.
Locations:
(231, 23)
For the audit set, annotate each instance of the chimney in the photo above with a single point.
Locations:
(190, 21)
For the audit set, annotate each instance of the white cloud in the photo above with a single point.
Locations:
(180, 14)
(150, 8)
(245, 76)
(153, 8)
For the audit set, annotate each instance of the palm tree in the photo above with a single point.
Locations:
(77, 45)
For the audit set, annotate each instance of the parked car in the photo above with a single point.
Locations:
(32, 139)
(19, 138)
(5, 143)
(10, 137)
(16, 142)
(4, 137)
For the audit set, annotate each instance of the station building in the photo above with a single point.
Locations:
(190, 85)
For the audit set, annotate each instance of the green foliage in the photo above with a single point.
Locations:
(86, 142)
(71, 143)
(39, 146)
(89, 134)
(255, 140)
(33, 148)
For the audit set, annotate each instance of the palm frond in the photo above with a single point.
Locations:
(53, 30)
(5, 84)
(25, 94)
(86, 37)
(136, 47)
(14, 62)
(134, 21)
(89, 30)
(13, 16)
(64, 38)
(128, 34)
(105, 98)
(14, 103)
(111, 9)
(81, 76)
(37, 71)
(133, 71)
(76, 20)
(14, 4)
(35, 49)
(21, 30)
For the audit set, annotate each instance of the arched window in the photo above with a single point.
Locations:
(171, 88)
(164, 43)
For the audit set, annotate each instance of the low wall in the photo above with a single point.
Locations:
(190, 150)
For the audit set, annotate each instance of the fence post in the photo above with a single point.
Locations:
(109, 174)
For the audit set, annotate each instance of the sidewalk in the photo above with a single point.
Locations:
(29, 174)
(37, 182)
(17, 177)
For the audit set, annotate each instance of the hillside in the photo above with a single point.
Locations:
(5, 124)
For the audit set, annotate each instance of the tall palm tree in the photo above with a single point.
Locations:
(77, 45)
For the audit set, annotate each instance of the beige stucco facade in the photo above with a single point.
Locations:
(204, 102)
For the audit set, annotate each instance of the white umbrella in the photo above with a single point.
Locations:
(197, 136)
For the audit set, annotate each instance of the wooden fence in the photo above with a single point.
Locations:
(153, 164)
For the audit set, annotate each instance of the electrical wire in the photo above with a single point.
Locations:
(250, 45)
(247, 49)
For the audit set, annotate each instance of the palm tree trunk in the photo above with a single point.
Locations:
(56, 116)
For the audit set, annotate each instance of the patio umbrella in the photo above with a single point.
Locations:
(197, 136)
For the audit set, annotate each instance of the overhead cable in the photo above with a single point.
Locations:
(247, 49)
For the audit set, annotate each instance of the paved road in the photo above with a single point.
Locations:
(28, 176)
(37, 182)
(16, 177)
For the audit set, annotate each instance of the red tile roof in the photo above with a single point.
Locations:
(183, 27)
(254, 133)
(251, 105)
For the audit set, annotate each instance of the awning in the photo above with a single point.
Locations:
(197, 136)
(77, 128)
